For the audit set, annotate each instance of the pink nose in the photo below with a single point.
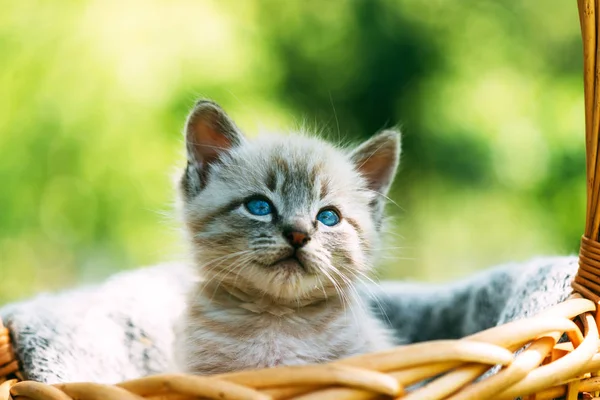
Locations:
(296, 238)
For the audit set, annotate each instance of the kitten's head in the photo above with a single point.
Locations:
(290, 217)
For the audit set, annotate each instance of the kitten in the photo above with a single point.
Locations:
(282, 229)
(262, 315)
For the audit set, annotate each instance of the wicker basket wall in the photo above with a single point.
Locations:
(545, 370)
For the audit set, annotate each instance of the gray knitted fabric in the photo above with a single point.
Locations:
(122, 329)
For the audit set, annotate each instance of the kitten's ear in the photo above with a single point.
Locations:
(209, 133)
(377, 160)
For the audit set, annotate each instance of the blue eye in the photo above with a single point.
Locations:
(259, 207)
(328, 217)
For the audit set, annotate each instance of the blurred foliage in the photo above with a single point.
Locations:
(94, 94)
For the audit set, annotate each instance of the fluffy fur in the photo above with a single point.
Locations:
(262, 300)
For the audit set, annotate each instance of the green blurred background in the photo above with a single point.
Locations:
(94, 94)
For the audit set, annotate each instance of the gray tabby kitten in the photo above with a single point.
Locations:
(122, 328)
(282, 229)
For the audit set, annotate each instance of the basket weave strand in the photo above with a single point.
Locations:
(587, 281)
(544, 370)
(9, 367)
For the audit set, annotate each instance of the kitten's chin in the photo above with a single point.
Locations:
(287, 279)
(289, 265)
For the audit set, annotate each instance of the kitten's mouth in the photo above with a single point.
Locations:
(290, 263)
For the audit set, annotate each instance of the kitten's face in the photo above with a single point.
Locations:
(290, 216)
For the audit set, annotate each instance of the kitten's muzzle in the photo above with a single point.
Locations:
(291, 262)
(296, 238)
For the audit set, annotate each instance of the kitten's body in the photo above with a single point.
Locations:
(279, 287)
(223, 333)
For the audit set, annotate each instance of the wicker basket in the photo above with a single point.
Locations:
(544, 370)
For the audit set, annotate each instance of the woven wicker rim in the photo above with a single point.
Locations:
(544, 370)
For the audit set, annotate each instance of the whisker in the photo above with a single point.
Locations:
(230, 271)
(351, 287)
(362, 277)
(220, 261)
(336, 287)
(385, 197)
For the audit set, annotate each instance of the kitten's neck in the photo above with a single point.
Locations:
(228, 296)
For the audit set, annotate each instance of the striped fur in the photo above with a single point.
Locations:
(253, 308)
